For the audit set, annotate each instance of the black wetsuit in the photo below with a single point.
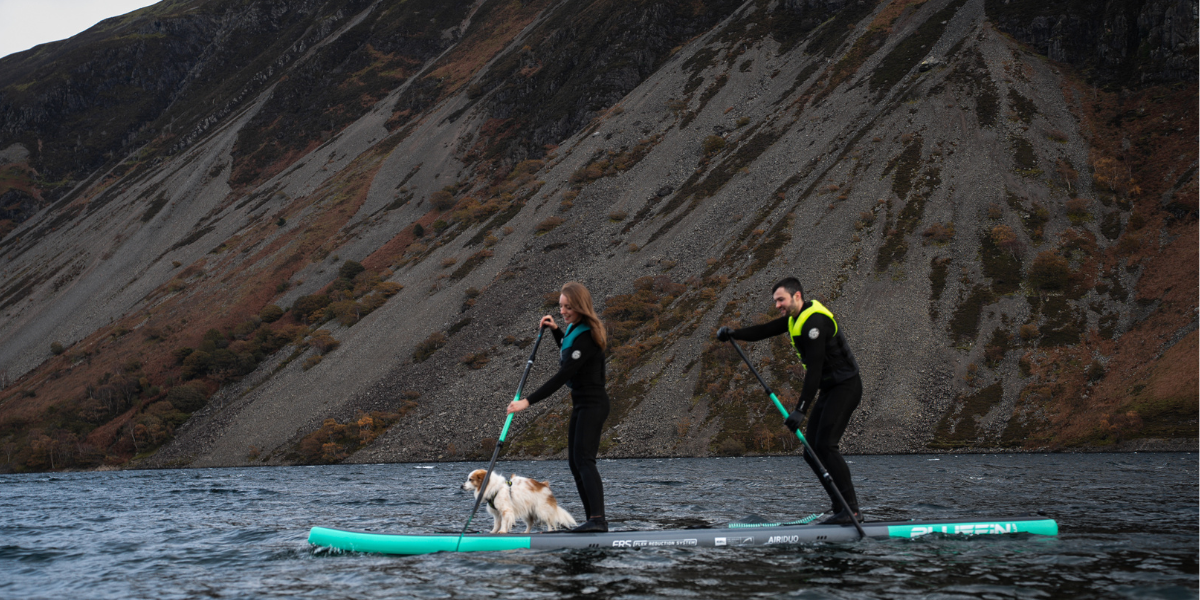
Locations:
(581, 367)
(832, 371)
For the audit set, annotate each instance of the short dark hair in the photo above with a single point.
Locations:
(791, 284)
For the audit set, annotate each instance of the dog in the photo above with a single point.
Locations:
(519, 498)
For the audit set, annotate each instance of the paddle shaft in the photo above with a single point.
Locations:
(826, 479)
(503, 435)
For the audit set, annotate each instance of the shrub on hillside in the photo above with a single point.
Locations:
(335, 441)
(1049, 272)
(624, 313)
(713, 144)
(1006, 239)
(1130, 242)
(347, 312)
(730, 447)
(187, 398)
(270, 313)
(549, 224)
(197, 364)
(442, 200)
(213, 340)
(305, 307)
(526, 167)
(322, 341)
(245, 329)
(939, 233)
(350, 270)
(475, 360)
(387, 289)
(431, 344)
(1077, 210)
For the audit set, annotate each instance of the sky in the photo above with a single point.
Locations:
(27, 23)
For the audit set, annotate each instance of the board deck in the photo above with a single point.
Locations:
(734, 535)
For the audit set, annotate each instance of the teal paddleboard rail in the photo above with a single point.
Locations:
(379, 543)
(1038, 527)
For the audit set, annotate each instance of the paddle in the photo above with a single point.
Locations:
(825, 478)
(503, 434)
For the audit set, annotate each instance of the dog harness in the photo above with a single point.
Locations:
(492, 501)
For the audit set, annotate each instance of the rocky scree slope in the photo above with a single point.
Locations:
(1008, 240)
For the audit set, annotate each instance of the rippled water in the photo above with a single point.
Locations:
(1128, 528)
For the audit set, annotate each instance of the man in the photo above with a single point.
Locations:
(830, 369)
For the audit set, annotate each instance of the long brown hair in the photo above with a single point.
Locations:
(581, 302)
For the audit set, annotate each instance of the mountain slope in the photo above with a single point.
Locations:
(1008, 241)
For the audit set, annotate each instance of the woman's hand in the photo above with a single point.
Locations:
(517, 406)
(548, 321)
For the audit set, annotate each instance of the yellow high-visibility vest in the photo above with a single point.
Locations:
(796, 325)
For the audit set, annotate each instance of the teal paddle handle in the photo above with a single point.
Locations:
(520, 386)
(783, 411)
(508, 421)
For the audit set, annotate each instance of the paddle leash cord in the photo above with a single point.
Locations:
(826, 480)
(500, 442)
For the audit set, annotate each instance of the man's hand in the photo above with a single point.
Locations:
(794, 420)
(723, 334)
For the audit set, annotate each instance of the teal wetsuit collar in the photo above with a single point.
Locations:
(571, 333)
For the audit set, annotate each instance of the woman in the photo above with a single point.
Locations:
(581, 367)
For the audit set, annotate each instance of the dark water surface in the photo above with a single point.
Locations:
(1128, 529)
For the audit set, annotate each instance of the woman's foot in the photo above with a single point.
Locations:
(592, 525)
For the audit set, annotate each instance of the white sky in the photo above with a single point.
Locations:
(27, 23)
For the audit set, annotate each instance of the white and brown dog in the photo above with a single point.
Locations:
(521, 498)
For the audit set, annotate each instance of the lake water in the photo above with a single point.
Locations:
(1128, 529)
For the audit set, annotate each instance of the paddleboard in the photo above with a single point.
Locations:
(734, 534)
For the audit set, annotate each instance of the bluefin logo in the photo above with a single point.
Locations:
(964, 529)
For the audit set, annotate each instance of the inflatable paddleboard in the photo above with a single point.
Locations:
(735, 534)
